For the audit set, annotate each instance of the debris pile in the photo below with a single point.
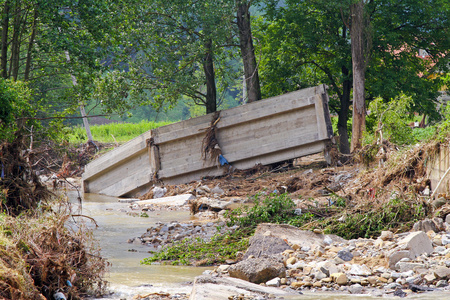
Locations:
(41, 257)
(393, 263)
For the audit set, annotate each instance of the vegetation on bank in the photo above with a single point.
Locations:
(111, 133)
(348, 221)
(198, 252)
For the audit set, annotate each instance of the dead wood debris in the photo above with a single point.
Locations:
(41, 256)
(210, 146)
(20, 186)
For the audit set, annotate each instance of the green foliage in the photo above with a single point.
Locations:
(396, 213)
(218, 250)
(391, 119)
(272, 209)
(113, 132)
(424, 135)
(443, 128)
(15, 108)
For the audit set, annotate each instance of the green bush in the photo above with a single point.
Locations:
(392, 119)
(273, 209)
(15, 108)
(396, 213)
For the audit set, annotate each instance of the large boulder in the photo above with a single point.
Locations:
(436, 225)
(293, 235)
(414, 244)
(261, 245)
(257, 270)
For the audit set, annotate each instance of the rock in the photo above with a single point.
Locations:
(393, 286)
(441, 283)
(430, 277)
(426, 225)
(214, 204)
(318, 231)
(291, 260)
(417, 243)
(327, 240)
(386, 235)
(404, 266)
(400, 293)
(360, 270)
(442, 272)
(355, 289)
(327, 268)
(339, 278)
(217, 190)
(320, 275)
(207, 287)
(159, 192)
(446, 238)
(296, 236)
(417, 288)
(447, 219)
(274, 282)
(345, 255)
(202, 190)
(261, 245)
(441, 250)
(223, 268)
(257, 270)
(178, 200)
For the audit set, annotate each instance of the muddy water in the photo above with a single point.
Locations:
(128, 277)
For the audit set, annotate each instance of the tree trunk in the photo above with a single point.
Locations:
(248, 53)
(344, 146)
(30, 46)
(359, 66)
(208, 67)
(15, 43)
(4, 50)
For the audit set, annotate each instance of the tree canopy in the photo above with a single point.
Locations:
(127, 53)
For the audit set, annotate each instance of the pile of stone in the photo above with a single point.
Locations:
(163, 234)
(284, 256)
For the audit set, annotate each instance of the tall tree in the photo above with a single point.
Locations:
(176, 49)
(359, 63)
(304, 44)
(37, 34)
(251, 75)
(308, 42)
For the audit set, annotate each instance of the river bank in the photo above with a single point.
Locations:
(308, 271)
(353, 196)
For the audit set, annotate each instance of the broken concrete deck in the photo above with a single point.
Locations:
(263, 132)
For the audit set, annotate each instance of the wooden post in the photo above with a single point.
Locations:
(155, 161)
(83, 112)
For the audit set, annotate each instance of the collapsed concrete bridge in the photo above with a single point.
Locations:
(263, 132)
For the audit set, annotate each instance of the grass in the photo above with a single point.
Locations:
(199, 252)
(112, 133)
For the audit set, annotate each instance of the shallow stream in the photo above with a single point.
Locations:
(127, 277)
